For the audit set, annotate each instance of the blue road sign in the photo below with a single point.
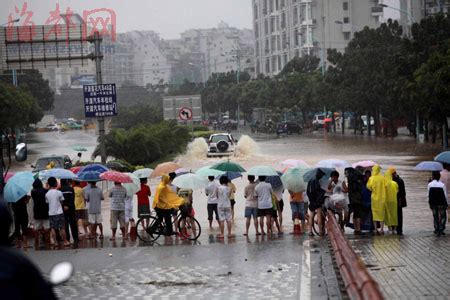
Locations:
(100, 100)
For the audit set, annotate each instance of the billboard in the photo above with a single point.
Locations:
(183, 108)
(100, 100)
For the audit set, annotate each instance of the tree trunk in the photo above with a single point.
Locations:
(355, 124)
(445, 134)
(369, 129)
(433, 133)
(333, 120)
(343, 122)
(427, 132)
(376, 120)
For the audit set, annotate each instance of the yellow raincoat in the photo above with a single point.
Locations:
(165, 198)
(391, 199)
(377, 185)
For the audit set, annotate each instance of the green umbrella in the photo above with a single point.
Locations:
(228, 166)
(262, 171)
(79, 148)
(207, 171)
(190, 181)
(293, 179)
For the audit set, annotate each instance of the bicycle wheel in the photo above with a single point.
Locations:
(189, 228)
(148, 233)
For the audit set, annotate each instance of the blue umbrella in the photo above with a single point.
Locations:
(89, 176)
(275, 181)
(429, 166)
(443, 157)
(95, 167)
(18, 186)
(58, 173)
(230, 175)
(310, 175)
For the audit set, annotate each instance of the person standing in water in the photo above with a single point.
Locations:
(377, 185)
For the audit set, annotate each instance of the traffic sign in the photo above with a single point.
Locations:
(100, 100)
(185, 114)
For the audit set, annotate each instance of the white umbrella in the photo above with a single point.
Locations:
(190, 181)
(262, 171)
(143, 173)
(333, 164)
(207, 171)
(133, 187)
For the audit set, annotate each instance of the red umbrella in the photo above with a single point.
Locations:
(116, 177)
(76, 169)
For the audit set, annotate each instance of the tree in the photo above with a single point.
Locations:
(304, 64)
(139, 114)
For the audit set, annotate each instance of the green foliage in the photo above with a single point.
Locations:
(142, 145)
(140, 114)
(305, 64)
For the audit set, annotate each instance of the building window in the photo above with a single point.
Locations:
(346, 20)
(345, 5)
(346, 36)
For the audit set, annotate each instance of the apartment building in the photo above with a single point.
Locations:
(285, 29)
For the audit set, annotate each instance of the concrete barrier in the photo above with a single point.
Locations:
(358, 282)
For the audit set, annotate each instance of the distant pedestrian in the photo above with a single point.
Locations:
(143, 198)
(401, 199)
(40, 211)
(297, 204)
(232, 197)
(54, 198)
(211, 193)
(224, 206)
(316, 196)
(69, 210)
(94, 196)
(251, 205)
(278, 192)
(274, 219)
(391, 202)
(263, 193)
(21, 220)
(117, 195)
(377, 185)
(437, 199)
(445, 179)
(81, 212)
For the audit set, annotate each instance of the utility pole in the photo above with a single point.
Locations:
(97, 57)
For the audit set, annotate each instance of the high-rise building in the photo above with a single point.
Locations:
(285, 29)
(431, 7)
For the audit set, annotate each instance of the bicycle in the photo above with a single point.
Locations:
(316, 225)
(188, 227)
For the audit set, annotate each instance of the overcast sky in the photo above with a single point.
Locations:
(167, 17)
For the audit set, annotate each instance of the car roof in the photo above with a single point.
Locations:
(216, 134)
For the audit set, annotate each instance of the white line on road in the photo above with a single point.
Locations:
(305, 279)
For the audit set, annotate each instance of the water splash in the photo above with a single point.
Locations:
(197, 149)
(246, 147)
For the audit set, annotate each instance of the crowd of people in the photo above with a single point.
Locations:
(364, 199)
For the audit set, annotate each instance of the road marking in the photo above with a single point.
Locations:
(305, 277)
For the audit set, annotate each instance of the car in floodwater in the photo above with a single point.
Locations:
(221, 144)
(58, 161)
(289, 128)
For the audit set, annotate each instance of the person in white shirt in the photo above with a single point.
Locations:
(224, 206)
(211, 192)
(263, 193)
(55, 211)
(437, 199)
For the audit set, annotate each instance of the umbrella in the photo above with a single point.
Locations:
(94, 167)
(228, 166)
(293, 180)
(165, 168)
(181, 171)
(133, 187)
(8, 176)
(76, 169)
(262, 171)
(429, 166)
(143, 173)
(89, 176)
(79, 148)
(18, 186)
(116, 177)
(364, 164)
(230, 175)
(443, 157)
(190, 181)
(207, 171)
(294, 163)
(311, 174)
(115, 165)
(58, 173)
(275, 181)
(332, 164)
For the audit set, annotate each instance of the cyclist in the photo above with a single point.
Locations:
(165, 203)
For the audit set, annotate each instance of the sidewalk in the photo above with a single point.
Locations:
(410, 267)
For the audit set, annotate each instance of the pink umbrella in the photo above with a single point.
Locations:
(364, 164)
(295, 163)
(116, 177)
(8, 176)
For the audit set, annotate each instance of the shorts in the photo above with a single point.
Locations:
(81, 214)
(42, 223)
(187, 210)
(274, 213)
(117, 216)
(251, 211)
(233, 202)
(224, 214)
(298, 210)
(212, 207)
(143, 210)
(281, 205)
(57, 221)
(264, 212)
(357, 210)
(95, 219)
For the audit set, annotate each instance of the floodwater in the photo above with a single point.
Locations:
(401, 152)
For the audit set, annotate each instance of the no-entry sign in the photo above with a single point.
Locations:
(185, 114)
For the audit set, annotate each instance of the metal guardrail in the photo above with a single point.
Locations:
(359, 284)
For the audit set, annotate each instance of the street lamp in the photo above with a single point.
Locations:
(13, 71)
(9, 22)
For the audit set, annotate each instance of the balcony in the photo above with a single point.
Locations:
(377, 11)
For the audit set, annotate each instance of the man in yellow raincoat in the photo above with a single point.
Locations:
(391, 219)
(165, 202)
(377, 185)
